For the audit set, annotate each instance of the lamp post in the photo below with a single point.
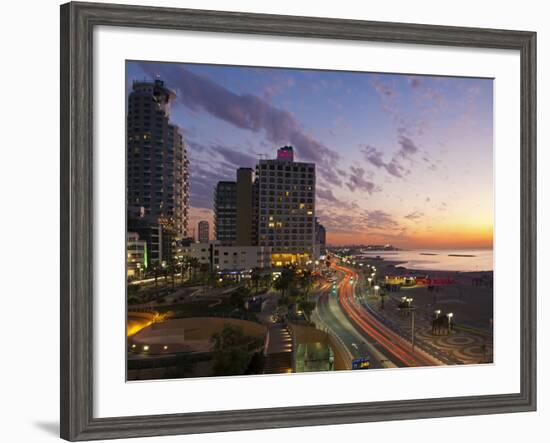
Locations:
(382, 295)
(406, 306)
(450, 316)
(412, 327)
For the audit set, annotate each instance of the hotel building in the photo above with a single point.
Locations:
(286, 208)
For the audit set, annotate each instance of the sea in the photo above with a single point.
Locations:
(464, 260)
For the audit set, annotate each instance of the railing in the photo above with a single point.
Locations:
(319, 324)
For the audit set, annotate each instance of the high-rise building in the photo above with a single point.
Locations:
(321, 237)
(225, 212)
(157, 164)
(245, 207)
(204, 231)
(286, 207)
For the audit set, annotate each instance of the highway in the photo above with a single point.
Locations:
(380, 337)
(331, 315)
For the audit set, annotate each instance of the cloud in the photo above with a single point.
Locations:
(414, 216)
(277, 87)
(245, 111)
(384, 89)
(236, 158)
(379, 219)
(408, 147)
(326, 194)
(356, 180)
(375, 157)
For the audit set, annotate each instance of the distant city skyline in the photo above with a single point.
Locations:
(400, 159)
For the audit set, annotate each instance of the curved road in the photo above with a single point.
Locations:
(391, 344)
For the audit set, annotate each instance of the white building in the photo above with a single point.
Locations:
(229, 258)
(240, 258)
(136, 254)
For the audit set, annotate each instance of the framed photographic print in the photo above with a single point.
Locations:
(274, 221)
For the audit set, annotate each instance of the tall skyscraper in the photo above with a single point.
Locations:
(157, 162)
(204, 232)
(225, 212)
(286, 207)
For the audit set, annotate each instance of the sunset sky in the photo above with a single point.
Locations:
(401, 159)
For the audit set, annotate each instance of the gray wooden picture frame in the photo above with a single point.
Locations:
(77, 24)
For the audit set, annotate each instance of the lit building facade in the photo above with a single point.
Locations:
(157, 163)
(136, 258)
(220, 257)
(286, 208)
(240, 258)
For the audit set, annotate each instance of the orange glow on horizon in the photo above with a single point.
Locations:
(452, 237)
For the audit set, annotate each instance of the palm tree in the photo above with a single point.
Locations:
(194, 264)
(230, 351)
(239, 297)
(255, 278)
(285, 281)
(156, 273)
(171, 269)
(266, 281)
(306, 283)
(182, 265)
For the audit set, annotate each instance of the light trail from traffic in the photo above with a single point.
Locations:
(389, 340)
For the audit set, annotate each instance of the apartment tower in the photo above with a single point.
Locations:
(286, 208)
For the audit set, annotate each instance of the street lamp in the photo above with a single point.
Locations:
(450, 316)
(437, 313)
(376, 288)
(370, 281)
(410, 310)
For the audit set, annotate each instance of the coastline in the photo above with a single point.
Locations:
(469, 296)
(401, 269)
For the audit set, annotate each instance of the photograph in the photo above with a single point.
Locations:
(284, 220)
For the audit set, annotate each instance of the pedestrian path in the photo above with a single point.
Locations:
(278, 350)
